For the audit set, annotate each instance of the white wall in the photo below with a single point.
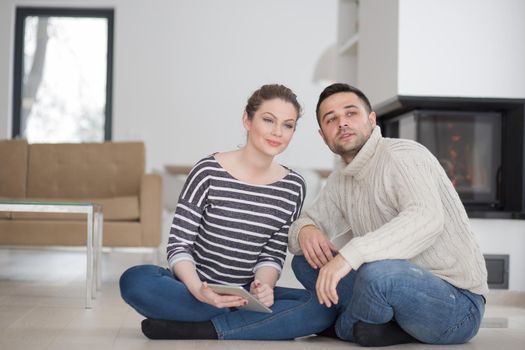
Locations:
(184, 69)
(504, 237)
(468, 48)
(377, 68)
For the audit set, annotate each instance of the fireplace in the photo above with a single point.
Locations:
(479, 143)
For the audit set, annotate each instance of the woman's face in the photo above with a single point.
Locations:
(272, 126)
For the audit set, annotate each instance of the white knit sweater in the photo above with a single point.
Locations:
(398, 203)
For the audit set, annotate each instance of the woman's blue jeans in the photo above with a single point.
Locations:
(425, 306)
(154, 292)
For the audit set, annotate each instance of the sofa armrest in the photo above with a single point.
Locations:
(151, 209)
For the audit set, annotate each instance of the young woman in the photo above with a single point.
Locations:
(230, 227)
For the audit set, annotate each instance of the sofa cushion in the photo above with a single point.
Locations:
(13, 168)
(85, 170)
(114, 209)
(67, 233)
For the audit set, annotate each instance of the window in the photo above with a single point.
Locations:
(62, 74)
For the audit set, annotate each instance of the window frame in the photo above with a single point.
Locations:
(22, 13)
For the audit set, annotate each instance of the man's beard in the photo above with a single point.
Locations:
(350, 150)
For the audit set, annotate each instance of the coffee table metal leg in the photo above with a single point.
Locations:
(95, 255)
(89, 259)
(99, 251)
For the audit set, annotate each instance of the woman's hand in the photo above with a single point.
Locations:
(208, 296)
(263, 292)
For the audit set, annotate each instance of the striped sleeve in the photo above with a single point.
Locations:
(188, 214)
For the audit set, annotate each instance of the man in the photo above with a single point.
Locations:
(412, 270)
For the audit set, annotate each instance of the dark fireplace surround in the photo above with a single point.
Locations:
(479, 142)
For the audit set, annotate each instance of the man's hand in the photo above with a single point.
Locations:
(263, 292)
(316, 247)
(329, 277)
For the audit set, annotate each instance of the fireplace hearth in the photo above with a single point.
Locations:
(478, 141)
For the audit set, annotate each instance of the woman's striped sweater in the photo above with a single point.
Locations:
(229, 228)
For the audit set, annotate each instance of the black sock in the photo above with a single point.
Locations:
(367, 334)
(162, 329)
(329, 332)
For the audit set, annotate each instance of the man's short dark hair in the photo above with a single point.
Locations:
(341, 87)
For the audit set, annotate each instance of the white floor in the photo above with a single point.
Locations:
(42, 307)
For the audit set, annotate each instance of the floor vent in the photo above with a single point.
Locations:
(498, 271)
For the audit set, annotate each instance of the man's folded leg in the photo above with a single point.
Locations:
(424, 306)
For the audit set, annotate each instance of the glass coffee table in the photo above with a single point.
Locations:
(95, 220)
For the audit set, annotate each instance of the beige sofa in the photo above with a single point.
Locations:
(111, 174)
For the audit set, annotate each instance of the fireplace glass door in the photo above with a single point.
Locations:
(467, 145)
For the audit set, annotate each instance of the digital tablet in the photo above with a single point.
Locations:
(253, 303)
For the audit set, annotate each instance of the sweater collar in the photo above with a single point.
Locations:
(364, 155)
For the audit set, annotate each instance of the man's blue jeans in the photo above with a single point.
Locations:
(425, 306)
(156, 293)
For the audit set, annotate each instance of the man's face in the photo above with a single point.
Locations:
(345, 124)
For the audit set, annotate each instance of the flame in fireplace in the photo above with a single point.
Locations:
(458, 161)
